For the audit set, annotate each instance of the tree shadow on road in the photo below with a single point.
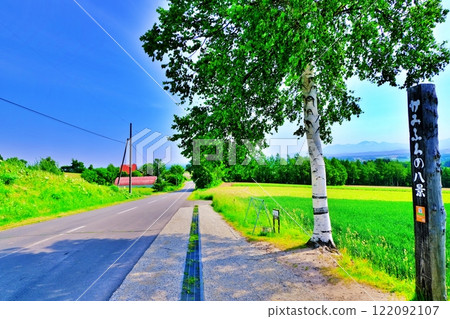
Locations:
(88, 269)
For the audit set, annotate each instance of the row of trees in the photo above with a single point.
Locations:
(297, 170)
(271, 169)
(166, 178)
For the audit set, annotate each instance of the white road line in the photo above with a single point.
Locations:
(132, 244)
(152, 201)
(71, 231)
(126, 210)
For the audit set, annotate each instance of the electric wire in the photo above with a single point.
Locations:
(126, 52)
(60, 121)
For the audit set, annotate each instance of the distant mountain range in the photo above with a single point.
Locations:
(371, 150)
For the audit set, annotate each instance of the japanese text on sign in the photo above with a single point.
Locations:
(417, 161)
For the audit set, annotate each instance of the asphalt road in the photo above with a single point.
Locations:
(84, 256)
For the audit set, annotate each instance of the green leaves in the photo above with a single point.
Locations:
(244, 59)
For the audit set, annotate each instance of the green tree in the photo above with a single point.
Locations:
(136, 174)
(209, 174)
(147, 169)
(159, 168)
(336, 172)
(176, 173)
(113, 171)
(90, 175)
(176, 170)
(446, 176)
(49, 165)
(160, 185)
(256, 64)
(17, 162)
(75, 167)
(103, 176)
(353, 171)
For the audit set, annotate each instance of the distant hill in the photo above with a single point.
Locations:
(368, 150)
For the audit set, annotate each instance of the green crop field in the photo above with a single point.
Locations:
(372, 226)
(29, 195)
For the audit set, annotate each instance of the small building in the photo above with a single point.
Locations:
(136, 181)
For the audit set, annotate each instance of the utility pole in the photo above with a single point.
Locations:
(428, 208)
(131, 150)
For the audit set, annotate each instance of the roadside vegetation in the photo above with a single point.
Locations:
(168, 180)
(297, 170)
(38, 192)
(372, 226)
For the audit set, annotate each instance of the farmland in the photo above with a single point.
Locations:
(372, 226)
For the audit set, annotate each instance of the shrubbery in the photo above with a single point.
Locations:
(206, 176)
(171, 178)
(19, 163)
(100, 176)
(160, 184)
(49, 165)
(7, 178)
(75, 167)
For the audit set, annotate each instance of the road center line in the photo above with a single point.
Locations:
(152, 201)
(126, 210)
(71, 231)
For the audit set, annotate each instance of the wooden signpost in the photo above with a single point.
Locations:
(428, 208)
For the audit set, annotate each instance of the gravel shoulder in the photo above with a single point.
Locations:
(234, 269)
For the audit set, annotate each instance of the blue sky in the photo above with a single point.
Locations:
(56, 60)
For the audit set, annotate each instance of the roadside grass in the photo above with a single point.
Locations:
(372, 226)
(33, 196)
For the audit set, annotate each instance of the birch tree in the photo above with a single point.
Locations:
(255, 65)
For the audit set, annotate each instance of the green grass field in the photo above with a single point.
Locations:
(28, 196)
(372, 226)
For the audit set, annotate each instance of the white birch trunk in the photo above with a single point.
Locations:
(322, 227)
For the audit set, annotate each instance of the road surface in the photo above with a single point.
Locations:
(84, 256)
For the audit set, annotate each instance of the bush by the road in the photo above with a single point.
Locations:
(49, 165)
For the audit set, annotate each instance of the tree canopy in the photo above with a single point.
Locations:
(239, 63)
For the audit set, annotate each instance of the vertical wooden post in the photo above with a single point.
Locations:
(429, 212)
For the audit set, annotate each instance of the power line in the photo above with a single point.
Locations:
(61, 121)
(51, 64)
(126, 52)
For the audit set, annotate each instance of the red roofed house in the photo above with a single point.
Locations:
(136, 181)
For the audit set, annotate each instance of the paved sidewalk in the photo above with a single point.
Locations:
(158, 275)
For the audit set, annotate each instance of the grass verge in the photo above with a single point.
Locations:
(30, 196)
(372, 226)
